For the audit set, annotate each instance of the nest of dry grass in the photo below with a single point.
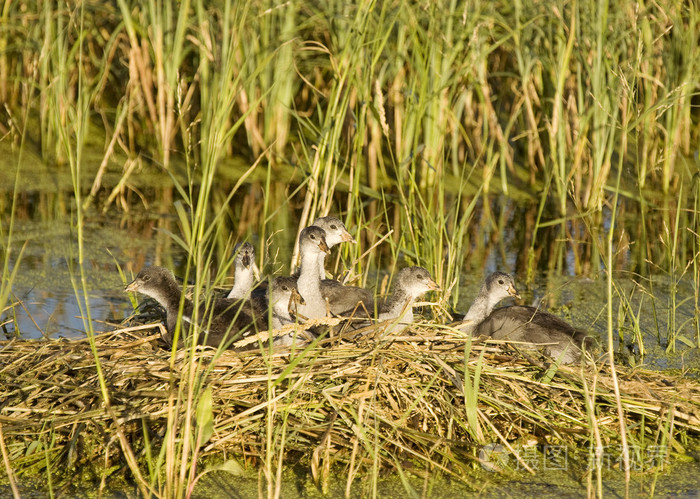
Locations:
(403, 401)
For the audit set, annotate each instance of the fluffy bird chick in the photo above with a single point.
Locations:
(284, 297)
(312, 243)
(336, 233)
(220, 323)
(522, 323)
(411, 284)
(245, 271)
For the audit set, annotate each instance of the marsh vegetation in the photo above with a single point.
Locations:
(547, 139)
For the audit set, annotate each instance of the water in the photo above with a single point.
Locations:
(49, 275)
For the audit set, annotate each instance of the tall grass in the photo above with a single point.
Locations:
(364, 99)
(156, 51)
(438, 82)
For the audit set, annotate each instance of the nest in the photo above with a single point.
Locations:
(428, 400)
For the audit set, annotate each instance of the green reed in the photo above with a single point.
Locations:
(157, 51)
(57, 66)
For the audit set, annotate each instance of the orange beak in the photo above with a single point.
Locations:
(323, 246)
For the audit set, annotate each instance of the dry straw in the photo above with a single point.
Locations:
(373, 402)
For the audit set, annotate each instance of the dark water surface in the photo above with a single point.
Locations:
(49, 270)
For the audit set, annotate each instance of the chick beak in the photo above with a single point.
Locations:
(513, 292)
(323, 246)
(433, 285)
(347, 238)
(132, 286)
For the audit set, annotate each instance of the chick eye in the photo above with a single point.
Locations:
(500, 281)
(147, 277)
(334, 226)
